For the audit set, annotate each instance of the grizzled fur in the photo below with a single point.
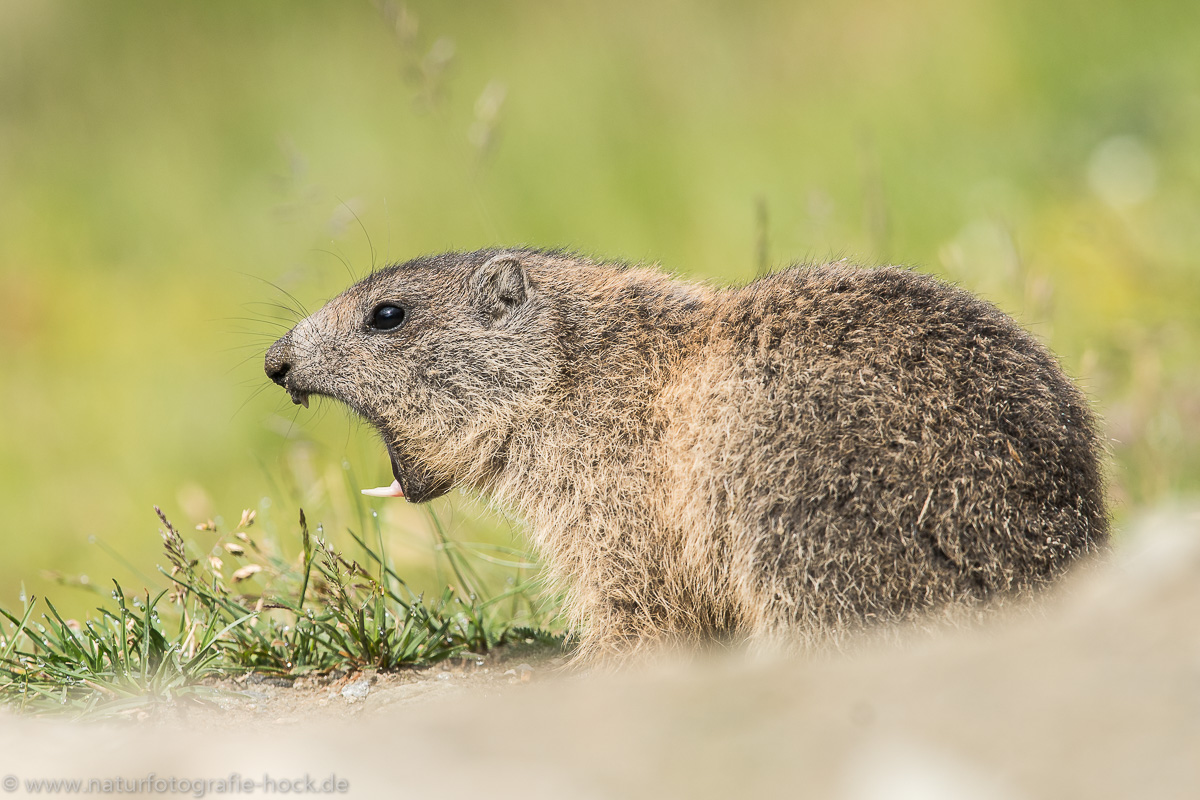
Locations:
(824, 448)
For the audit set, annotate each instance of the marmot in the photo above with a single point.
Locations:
(824, 448)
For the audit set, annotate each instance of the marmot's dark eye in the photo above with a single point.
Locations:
(386, 317)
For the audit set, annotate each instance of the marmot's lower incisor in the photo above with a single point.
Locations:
(824, 448)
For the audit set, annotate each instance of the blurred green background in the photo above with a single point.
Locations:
(160, 161)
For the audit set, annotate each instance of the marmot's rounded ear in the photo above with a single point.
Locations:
(499, 286)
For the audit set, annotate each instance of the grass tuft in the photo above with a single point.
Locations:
(316, 613)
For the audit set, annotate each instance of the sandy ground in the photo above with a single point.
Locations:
(258, 700)
(1097, 696)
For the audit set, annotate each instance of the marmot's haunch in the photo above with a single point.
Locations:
(821, 449)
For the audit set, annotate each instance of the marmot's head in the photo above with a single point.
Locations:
(442, 355)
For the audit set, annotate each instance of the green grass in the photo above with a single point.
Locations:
(314, 613)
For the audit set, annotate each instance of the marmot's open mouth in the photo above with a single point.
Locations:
(395, 490)
(413, 481)
(298, 397)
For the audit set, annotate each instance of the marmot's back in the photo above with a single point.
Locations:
(883, 442)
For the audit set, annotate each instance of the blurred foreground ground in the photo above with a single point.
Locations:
(1097, 697)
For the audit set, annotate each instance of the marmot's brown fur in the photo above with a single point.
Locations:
(823, 448)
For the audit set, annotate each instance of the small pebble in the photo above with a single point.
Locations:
(522, 671)
(357, 690)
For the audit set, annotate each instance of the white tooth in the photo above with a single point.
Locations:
(304, 400)
(386, 491)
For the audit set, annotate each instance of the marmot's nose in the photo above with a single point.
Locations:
(278, 362)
